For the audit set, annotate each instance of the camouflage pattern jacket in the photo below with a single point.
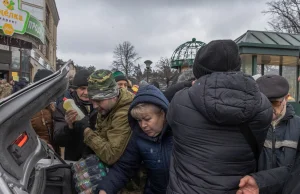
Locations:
(5, 90)
(112, 131)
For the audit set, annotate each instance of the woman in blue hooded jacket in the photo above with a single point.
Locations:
(151, 143)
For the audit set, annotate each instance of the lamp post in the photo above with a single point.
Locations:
(148, 63)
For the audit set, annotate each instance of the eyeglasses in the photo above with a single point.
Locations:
(277, 103)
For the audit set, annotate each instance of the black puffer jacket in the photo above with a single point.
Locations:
(210, 154)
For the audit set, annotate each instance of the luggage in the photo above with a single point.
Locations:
(59, 180)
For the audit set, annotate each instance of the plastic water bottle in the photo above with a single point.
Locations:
(88, 183)
(69, 104)
(81, 176)
(90, 172)
(81, 165)
(100, 168)
(83, 185)
(90, 190)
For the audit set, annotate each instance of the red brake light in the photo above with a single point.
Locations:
(21, 140)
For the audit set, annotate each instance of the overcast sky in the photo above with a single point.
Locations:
(89, 30)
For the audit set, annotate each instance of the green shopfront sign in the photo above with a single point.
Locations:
(36, 29)
(15, 20)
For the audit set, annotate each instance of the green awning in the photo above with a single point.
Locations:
(269, 43)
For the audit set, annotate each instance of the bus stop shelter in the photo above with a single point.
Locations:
(264, 52)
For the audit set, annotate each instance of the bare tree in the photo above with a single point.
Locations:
(138, 74)
(125, 57)
(285, 15)
(91, 68)
(164, 70)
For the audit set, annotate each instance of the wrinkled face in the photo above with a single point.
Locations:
(82, 93)
(151, 119)
(278, 107)
(104, 106)
(122, 84)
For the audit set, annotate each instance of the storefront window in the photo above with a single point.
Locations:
(26, 76)
(26, 67)
(15, 58)
(258, 69)
(247, 64)
(271, 69)
(4, 47)
(290, 73)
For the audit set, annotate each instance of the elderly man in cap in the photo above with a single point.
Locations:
(280, 147)
(65, 130)
(113, 132)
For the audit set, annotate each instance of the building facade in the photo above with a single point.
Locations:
(38, 50)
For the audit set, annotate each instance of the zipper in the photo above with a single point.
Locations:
(273, 147)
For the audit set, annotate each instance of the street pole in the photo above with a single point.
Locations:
(147, 75)
(148, 63)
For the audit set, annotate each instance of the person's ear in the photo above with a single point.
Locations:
(193, 82)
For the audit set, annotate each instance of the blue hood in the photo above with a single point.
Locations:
(152, 95)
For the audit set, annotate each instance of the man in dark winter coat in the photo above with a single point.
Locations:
(184, 80)
(65, 132)
(210, 153)
(292, 185)
(280, 147)
(20, 85)
(151, 142)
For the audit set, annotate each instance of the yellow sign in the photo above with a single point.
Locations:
(8, 29)
(16, 78)
(9, 4)
(12, 18)
(14, 73)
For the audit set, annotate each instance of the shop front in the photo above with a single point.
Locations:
(20, 32)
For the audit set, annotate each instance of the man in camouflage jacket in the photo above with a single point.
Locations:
(112, 133)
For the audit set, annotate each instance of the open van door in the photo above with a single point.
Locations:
(20, 147)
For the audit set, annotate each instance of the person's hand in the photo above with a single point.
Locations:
(70, 118)
(102, 192)
(82, 124)
(248, 185)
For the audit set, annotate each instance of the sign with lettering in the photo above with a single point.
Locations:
(12, 18)
(36, 29)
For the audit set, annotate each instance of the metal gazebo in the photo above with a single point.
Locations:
(185, 54)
